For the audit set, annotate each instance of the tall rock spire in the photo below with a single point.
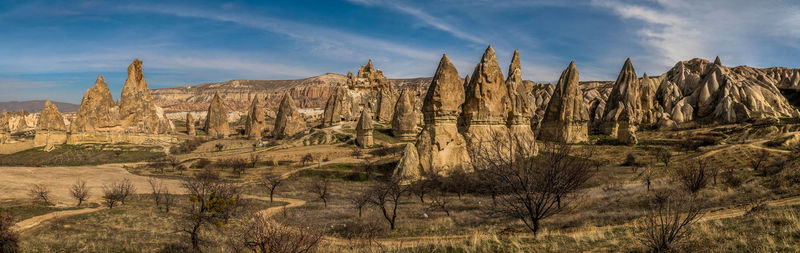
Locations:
(216, 124)
(487, 105)
(256, 124)
(97, 109)
(288, 121)
(404, 120)
(50, 119)
(623, 111)
(519, 111)
(137, 111)
(566, 117)
(364, 130)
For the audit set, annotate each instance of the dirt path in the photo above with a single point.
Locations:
(269, 212)
(26, 225)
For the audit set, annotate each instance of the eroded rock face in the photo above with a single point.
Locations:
(487, 104)
(190, 129)
(404, 120)
(622, 110)
(335, 108)
(364, 130)
(256, 122)
(519, 111)
(408, 168)
(566, 118)
(216, 124)
(289, 121)
(441, 148)
(50, 119)
(648, 89)
(137, 111)
(97, 111)
(4, 120)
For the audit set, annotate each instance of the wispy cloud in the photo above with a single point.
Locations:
(16, 83)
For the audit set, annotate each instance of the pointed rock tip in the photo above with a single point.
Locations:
(717, 61)
(489, 53)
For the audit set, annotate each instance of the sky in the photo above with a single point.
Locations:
(56, 49)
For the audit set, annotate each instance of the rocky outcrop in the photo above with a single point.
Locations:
(336, 108)
(404, 120)
(216, 124)
(566, 118)
(623, 108)
(407, 168)
(487, 104)
(97, 112)
(648, 89)
(255, 125)
(519, 109)
(4, 122)
(50, 119)
(190, 129)
(289, 121)
(440, 146)
(364, 130)
(22, 123)
(137, 111)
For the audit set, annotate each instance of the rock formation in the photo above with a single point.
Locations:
(519, 111)
(486, 106)
(364, 130)
(648, 89)
(50, 119)
(440, 146)
(404, 120)
(22, 123)
(190, 129)
(289, 121)
(622, 110)
(255, 125)
(566, 117)
(335, 109)
(97, 110)
(4, 122)
(408, 168)
(216, 124)
(137, 111)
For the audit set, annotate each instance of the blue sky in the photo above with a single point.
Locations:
(56, 49)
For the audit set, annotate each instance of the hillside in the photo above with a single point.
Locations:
(36, 106)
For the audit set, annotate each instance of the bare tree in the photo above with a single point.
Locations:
(219, 147)
(237, 165)
(307, 158)
(211, 201)
(386, 196)
(260, 234)
(253, 158)
(320, 188)
(159, 165)
(161, 195)
(663, 155)
(440, 201)
(271, 181)
(173, 162)
(458, 182)
(533, 188)
(359, 201)
(757, 160)
(667, 221)
(9, 238)
(40, 192)
(79, 191)
(125, 189)
(111, 196)
(693, 178)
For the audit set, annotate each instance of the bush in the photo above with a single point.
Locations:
(693, 178)
(186, 146)
(9, 239)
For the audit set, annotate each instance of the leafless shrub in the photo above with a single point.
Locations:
(667, 221)
(386, 196)
(161, 195)
(532, 188)
(306, 159)
(202, 163)
(731, 179)
(263, 235)
(211, 201)
(271, 181)
(663, 155)
(758, 160)
(320, 188)
(158, 165)
(440, 201)
(219, 147)
(237, 165)
(254, 159)
(40, 192)
(111, 196)
(357, 152)
(693, 178)
(9, 239)
(458, 182)
(359, 201)
(79, 191)
(118, 192)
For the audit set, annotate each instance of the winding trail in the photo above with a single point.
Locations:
(28, 224)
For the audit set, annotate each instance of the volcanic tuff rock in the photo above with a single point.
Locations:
(50, 119)
(364, 130)
(190, 129)
(4, 124)
(97, 111)
(289, 121)
(408, 167)
(566, 118)
(623, 108)
(519, 111)
(216, 124)
(648, 90)
(404, 120)
(336, 108)
(137, 111)
(440, 146)
(254, 127)
(486, 106)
